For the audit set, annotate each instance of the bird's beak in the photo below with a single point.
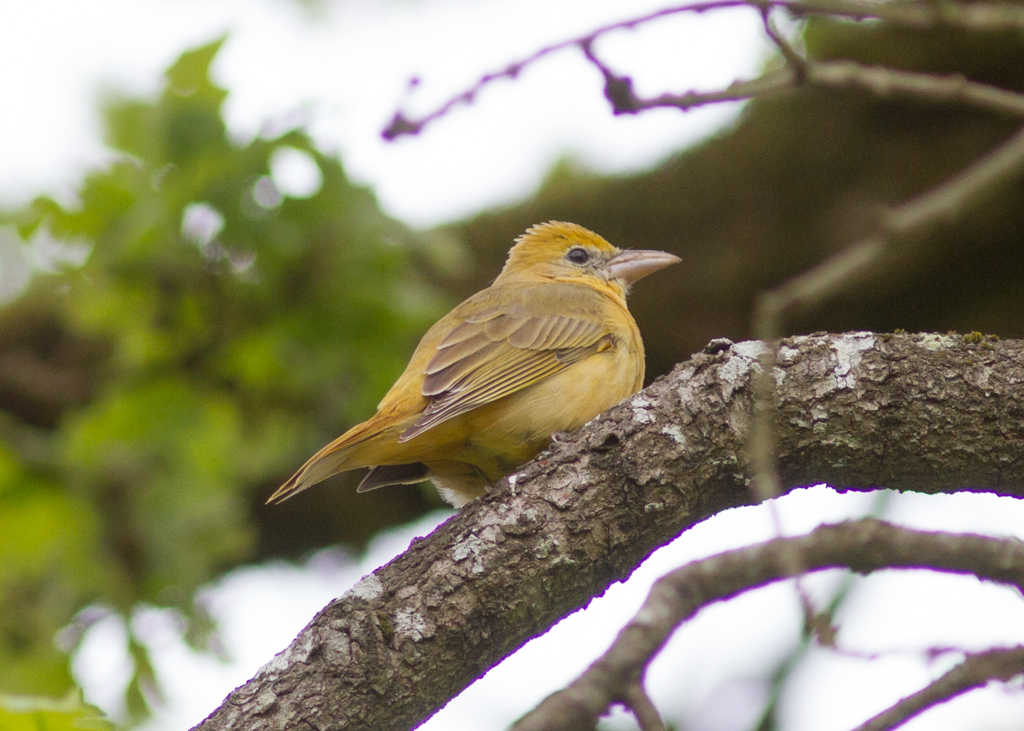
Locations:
(634, 264)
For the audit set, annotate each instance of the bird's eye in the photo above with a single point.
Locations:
(578, 256)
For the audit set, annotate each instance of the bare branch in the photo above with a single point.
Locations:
(637, 700)
(978, 16)
(402, 125)
(864, 546)
(882, 81)
(936, 88)
(940, 204)
(878, 80)
(947, 201)
(579, 706)
(976, 671)
(765, 85)
(797, 63)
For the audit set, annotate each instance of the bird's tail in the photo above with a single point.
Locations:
(347, 452)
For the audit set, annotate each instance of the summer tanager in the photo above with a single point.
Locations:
(546, 348)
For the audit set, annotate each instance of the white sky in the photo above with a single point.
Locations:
(345, 72)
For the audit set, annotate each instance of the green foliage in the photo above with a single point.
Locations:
(25, 713)
(219, 332)
(50, 560)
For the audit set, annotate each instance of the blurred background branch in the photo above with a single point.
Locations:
(976, 671)
(862, 546)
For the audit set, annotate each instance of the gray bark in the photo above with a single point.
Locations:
(858, 411)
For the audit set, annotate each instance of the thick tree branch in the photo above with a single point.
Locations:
(859, 411)
(864, 546)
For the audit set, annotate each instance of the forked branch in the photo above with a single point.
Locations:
(836, 74)
(976, 671)
(863, 546)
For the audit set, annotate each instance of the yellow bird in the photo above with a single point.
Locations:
(546, 348)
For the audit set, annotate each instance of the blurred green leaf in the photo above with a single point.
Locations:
(230, 330)
(26, 713)
(51, 564)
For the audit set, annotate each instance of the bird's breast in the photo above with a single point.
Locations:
(524, 421)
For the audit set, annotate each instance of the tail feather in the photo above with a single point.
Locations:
(336, 457)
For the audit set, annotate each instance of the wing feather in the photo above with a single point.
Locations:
(441, 381)
(452, 354)
(500, 328)
(493, 354)
(454, 403)
(525, 336)
(560, 333)
(575, 334)
(468, 329)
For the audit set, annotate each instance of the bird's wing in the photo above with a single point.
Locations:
(498, 351)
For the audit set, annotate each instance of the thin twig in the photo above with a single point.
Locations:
(864, 546)
(766, 484)
(796, 62)
(639, 702)
(978, 16)
(976, 671)
(878, 80)
(765, 85)
(618, 90)
(938, 88)
(403, 125)
(949, 200)
(972, 16)
(931, 653)
(942, 203)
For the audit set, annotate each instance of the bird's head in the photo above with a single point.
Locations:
(567, 252)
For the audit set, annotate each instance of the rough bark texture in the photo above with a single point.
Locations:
(928, 413)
